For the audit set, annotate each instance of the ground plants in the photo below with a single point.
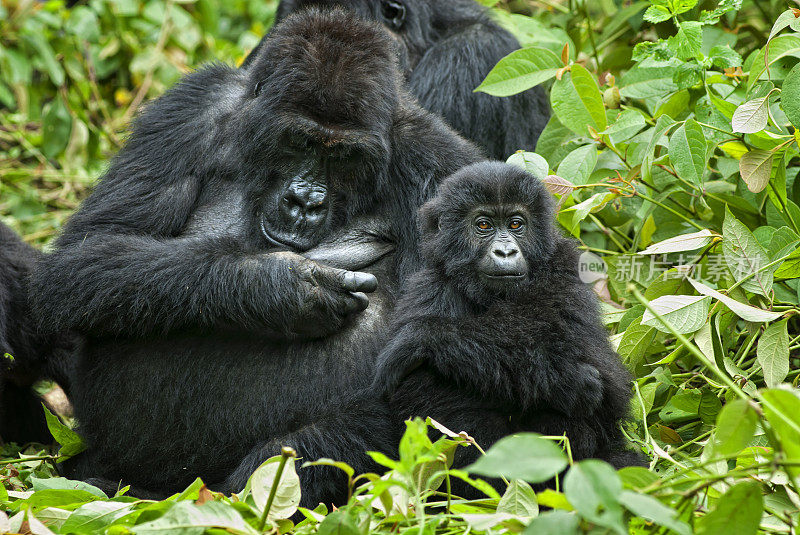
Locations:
(673, 151)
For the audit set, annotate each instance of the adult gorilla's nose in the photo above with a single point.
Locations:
(505, 251)
(305, 202)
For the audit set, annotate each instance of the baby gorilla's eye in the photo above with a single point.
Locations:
(483, 224)
(516, 223)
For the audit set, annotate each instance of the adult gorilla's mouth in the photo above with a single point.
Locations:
(294, 243)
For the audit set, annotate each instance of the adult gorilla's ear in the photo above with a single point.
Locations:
(428, 217)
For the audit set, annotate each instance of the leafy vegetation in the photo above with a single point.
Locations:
(673, 151)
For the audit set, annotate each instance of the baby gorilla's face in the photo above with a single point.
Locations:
(497, 233)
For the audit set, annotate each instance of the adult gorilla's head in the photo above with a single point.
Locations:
(322, 94)
(410, 21)
(489, 229)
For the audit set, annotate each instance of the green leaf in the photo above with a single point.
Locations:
(784, 19)
(647, 82)
(519, 499)
(738, 512)
(687, 151)
(745, 256)
(554, 523)
(790, 96)
(686, 313)
(688, 42)
(287, 496)
(577, 101)
(780, 47)
(593, 489)
(790, 268)
(724, 57)
(56, 128)
(773, 353)
(656, 14)
(531, 162)
(782, 409)
(635, 342)
(525, 456)
(339, 523)
(186, 518)
(71, 443)
(684, 242)
(751, 116)
(94, 517)
(746, 312)
(653, 510)
(579, 164)
(736, 427)
(756, 167)
(663, 124)
(519, 71)
(627, 125)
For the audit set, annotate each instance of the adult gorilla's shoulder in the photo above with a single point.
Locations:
(212, 273)
(447, 49)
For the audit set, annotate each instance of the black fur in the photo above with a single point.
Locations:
(448, 48)
(35, 356)
(208, 346)
(497, 358)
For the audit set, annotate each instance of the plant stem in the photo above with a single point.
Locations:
(286, 452)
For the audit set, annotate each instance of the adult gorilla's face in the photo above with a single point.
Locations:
(316, 125)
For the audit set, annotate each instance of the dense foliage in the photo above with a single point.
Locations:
(674, 153)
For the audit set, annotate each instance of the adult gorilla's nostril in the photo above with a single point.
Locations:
(505, 252)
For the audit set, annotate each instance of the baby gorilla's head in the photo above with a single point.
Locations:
(489, 229)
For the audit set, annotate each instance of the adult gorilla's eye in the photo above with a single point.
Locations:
(394, 13)
(516, 223)
(483, 224)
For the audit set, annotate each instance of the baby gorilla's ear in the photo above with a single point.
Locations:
(428, 217)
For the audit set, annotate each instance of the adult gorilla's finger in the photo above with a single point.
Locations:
(355, 302)
(357, 281)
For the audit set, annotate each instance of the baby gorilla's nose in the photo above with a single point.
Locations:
(505, 251)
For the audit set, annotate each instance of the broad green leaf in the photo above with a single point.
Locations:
(646, 82)
(746, 312)
(688, 41)
(94, 517)
(287, 496)
(785, 19)
(687, 151)
(579, 164)
(684, 242)
(554, 523)
(779, 47)
(61, 483)
(56, 128)
(657, 13)
(519, 71)
(558, 185)
(531, 162)
(581, 211)
(752, 116)
(663, 124)
(71, 443)
(686, 313)
(519, 499)
(339, 523)
(736, 426)
(782, 409)
(755, 167)
(635, 342)
(738, 512)
(594, 489)
(525, 456)
(790, 268)
(186, 518)
(773, 353)
(790, 96)
(745, 256)
(653, 510)
(627, 125)
(577, 101)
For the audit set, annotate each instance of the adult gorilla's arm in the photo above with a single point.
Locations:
(449, 71)
(124, 267)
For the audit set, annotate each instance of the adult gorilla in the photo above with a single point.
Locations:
(449, 46)
(212, 339)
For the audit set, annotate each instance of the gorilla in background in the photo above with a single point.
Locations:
(35, 356)
(448, 48)
(219, 270)
(497, 334)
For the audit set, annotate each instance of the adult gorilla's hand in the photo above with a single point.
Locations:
(325, 297)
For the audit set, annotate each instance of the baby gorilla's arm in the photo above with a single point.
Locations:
(483, 356)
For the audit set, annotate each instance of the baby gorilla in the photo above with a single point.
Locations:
(497, 334)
